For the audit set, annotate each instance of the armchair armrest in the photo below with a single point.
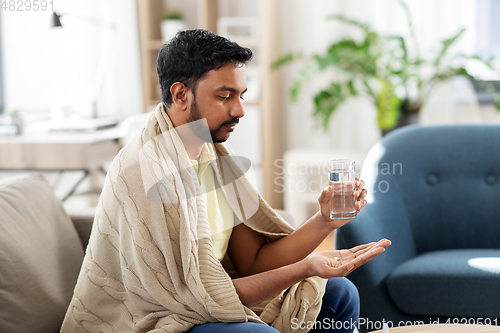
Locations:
(384, 216)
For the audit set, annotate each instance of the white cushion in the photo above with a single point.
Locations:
(40, 256)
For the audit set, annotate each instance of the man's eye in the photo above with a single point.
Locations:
(224, 97)
(242, 98)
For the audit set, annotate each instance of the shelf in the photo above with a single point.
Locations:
(149, 19)
(245, 42)
(154, 45)
(252, 103)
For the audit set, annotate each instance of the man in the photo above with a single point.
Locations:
(175, 204)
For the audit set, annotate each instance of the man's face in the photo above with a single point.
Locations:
(218, 99)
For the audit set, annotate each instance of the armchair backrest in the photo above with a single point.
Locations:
(448, 179)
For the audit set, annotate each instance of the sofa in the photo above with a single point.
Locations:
(434, 191)
(41, 251)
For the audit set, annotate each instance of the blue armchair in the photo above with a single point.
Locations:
(435, 193)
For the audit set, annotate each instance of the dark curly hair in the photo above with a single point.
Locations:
(190, 55)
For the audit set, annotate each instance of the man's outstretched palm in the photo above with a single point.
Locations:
(338, 263)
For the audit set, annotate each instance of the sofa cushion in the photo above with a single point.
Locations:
(455, 283)
(40, 256)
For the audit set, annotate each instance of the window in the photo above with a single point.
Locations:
(487, 46)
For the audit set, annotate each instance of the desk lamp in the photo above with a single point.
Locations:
(95, 122)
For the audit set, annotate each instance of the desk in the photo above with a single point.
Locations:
(42, 150)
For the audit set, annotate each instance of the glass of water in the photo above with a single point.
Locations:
(341, 177)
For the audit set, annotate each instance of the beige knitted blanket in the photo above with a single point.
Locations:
(150, 267)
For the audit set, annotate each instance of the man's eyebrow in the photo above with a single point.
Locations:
(231, 89)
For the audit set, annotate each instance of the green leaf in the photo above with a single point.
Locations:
(350, 56)
(326, 102)
(304, 75)
(411, 27)
(446, 45)
(352, 89)
(10, 111)
(295, 90)
(377, 66)
(402, 43)
(490, 62)
(490, 88)
(450, 72)
(387, 105)
(287, 58)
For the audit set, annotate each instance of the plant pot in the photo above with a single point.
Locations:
(170, 27)
(405, 119)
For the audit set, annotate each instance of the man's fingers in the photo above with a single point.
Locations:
(360, 250)
(384, 242)
(359, 183)
(361, 247)
(348, 267)
(357, 251)
(367, 256)
(325, 195)
(360, 198)
(360, 204)
(360, 255)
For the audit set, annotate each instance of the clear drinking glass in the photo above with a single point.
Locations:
(341, 177)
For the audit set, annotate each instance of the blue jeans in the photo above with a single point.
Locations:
(340, 306)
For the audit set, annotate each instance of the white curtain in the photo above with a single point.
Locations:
(488, 30)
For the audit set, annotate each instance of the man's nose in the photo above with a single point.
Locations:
(237, 110)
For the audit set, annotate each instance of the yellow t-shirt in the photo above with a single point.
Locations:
(220, 214)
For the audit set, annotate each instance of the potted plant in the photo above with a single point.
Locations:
(389, 70)
(11, 122)
(172, 21)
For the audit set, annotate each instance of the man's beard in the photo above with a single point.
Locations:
(200, 132)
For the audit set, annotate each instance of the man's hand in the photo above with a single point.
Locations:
(338, 263)
(251, 254)
(326, 196)
(253, 289)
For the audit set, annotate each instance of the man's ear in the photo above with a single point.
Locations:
(180, 95)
